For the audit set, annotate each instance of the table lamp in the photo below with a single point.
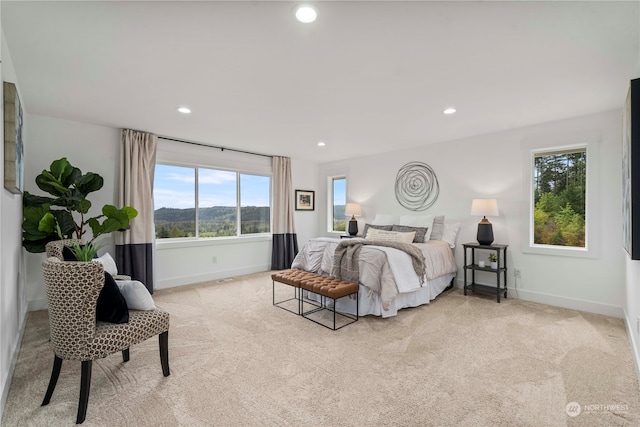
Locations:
(484, 207)
(353, 210)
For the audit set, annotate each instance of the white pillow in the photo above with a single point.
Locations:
(419, 221)
(450, 233)
(385, 219)
(390, 236)
(136, 295)
(108, 263)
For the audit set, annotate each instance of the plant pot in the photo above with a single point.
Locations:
(494, 265)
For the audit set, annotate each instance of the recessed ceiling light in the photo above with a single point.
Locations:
(321, 144)
(306, 13)
(449, 110)
(184, 110)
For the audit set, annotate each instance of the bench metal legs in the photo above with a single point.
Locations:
(323, 306)
(296, 296)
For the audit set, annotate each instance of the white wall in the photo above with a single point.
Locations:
(13, 306)
(493, 166)
(632, 293)
(88, 147)
(96, 148)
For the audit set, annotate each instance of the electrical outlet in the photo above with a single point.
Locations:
(214, 259)
(517, 273)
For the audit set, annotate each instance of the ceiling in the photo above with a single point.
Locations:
(366, 77)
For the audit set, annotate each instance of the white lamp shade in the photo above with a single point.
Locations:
(353, 209)
(484, 207)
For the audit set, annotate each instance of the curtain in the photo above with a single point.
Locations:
(285, 241)
(134, 247)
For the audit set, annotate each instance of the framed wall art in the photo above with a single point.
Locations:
(305, 200)
(631, 171)
(13, 144)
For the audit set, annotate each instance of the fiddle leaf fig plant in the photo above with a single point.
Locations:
(62, 215)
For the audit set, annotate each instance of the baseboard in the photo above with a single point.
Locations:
(634, 345)
(564, 302)
(37, 304)
(221, 274)
(12, 366)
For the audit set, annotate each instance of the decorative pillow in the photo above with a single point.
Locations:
(111, 307)
(438, 228)
(390, 236)
(425, 221)
(136, 295)
(450, 233)
(377, 227)
(382, 219)
(420, 232)
(108, 263)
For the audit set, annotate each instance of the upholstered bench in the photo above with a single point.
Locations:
(292, 278)
(326, 287)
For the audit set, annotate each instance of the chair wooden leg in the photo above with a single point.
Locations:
(55, 373)
(85, 385)
(125, 355)
(164, 352)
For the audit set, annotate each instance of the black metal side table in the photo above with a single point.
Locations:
(501, 252)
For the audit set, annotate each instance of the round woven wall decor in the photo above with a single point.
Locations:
(417, 186)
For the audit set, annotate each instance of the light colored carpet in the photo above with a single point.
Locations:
(236, 360)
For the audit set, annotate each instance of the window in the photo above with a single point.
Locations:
(174, 201)
(559, 197)
(204, 202)
(338, 202)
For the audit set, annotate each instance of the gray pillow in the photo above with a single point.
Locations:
(437, 230)
(377, 227)
(420, 232)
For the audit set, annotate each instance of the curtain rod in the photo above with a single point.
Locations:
(215, 146)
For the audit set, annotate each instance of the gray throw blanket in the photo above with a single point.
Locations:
(347, 254)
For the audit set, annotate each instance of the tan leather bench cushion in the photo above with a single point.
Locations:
(321, 285)
(292, 277)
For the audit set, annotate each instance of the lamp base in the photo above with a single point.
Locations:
(485, 233)
(353, 227)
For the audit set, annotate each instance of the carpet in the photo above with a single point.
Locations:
(236, 360)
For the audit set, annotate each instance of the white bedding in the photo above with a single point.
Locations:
(388, 281)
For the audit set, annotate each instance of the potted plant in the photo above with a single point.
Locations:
(63, 215)
(493, 259)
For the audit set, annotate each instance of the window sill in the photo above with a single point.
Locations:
(214, 241)
(564, 251)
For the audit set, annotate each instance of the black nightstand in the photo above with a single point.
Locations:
(349, 236)
(502, 269)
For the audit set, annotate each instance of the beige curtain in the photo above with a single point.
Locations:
(285, 240)
(134, 247)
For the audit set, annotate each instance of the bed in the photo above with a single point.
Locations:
(387, 278)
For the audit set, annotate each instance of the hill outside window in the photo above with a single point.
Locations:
(196, 202)
(337, 203)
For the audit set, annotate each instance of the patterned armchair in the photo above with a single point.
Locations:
(72, 291)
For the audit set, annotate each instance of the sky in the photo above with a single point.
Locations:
(174, 188)
(339, 192)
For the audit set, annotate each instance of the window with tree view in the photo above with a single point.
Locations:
(203, 202)
(559, 215)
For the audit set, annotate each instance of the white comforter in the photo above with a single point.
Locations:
(386, 271)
